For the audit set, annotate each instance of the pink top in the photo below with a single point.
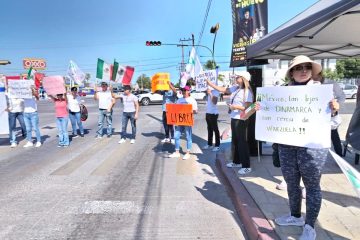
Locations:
(60, 108)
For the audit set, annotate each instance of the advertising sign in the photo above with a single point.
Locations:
(36, 63)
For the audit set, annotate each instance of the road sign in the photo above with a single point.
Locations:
(36, 63)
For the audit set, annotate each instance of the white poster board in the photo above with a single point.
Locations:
(54, 85)
(201, 84)
(20, 88)
(295, 115)
(4, 126)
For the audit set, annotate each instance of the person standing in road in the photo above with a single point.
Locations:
(31, 119)
(106, 102)
(15, 107)
(62, 118)
(74, 102)
(241, 98)
(211, 118)
(168, 97)
(130, 113)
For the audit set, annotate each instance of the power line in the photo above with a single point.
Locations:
(204, 22)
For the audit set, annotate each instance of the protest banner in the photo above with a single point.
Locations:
(295, 115)
(4, 126)
(179, 114)
(201, 84)
(20, 88)
(160, 82)
(54, 85)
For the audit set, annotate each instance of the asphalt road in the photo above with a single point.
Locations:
(99, 189)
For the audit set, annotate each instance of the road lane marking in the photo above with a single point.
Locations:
(114, 207)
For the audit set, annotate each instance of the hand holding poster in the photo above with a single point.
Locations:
(201, 84)
(179, 114)
(54, 85)
(20, 88)
(160, 81)
(295, 115)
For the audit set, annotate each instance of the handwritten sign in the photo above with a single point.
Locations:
(179, 114)
(160, 81)
(4, 126)
(201, 84)
(54, 85)
(20, 88)
(295, 115)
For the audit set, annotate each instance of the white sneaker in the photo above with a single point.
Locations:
(165, 140)
(215, 149)
(122, 140)
(289, 220)
(174, 155)
(38, 144)
(13, 145)
(308, 233)
(244, 171)
(132, 141)
(28, 144)
(281, 186)
(186, 156)
(206, 147)
(172, 141)
(303, 193)
(231, 165)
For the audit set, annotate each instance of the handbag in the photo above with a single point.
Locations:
(83, 112)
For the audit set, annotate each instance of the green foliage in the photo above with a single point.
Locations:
(348, 68)
(334, 75)
(210, 64)
(144, 82)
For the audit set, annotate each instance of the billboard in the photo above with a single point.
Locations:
(250, 23)
(36, 63)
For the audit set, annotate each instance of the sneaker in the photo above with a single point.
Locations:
(244, 171)
(81, 135)
(231, 165)
(65, 146)
(174, 155)
(172, 141)
(281, 186)
(206, 147)
(186, 156)
(215, 149)
(38, 144)
(13, 145)
(132, 141)
(59, 146)
(165, 140)
(308, 233)
(28, 144)
(303, 193)
(109, 136)
(289, 220)
(98, 137)
(75, 136)
(122, 140)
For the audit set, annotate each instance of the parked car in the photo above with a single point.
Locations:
(198, 95)
(350, 90)
(82, 94)
(147, 97)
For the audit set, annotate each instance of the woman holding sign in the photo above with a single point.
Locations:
(302, 162)
(241, 98)
(62, 118)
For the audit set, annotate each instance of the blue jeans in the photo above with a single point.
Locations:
(12, 125)
(103, 113)
(75, 119)
(125, 118)
(188, 132)
(62, 123)
(32, 123)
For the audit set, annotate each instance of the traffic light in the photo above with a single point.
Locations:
(153, 43)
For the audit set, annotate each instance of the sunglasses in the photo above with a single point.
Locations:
(300, 68)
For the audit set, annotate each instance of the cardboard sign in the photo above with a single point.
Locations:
(54, 85)
(179, 114)
(20, 88)
(160, 82)
(201, 84)
(295, 115)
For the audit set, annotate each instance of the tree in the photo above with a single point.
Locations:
(210, 64)
(348, 68)
(144, 82)
(334, 75)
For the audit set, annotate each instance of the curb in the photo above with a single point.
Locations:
(256, 224)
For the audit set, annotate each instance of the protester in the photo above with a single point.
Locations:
(106, 102)
(31, 119)
(186, 99)
(130, 112)
(241, 98)
(211, 118)
(62, 118)
(15, 107)
(303, 163)
(74, 102)
(168, 97)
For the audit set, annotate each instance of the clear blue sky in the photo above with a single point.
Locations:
(84, 30)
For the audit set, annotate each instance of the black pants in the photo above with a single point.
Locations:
(335, 139)
(212, 127)
(169, 129)
(239, 143)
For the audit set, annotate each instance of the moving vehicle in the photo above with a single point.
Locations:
(147, 97)
(350, 90)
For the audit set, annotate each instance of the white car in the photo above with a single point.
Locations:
(350, 90)
(198, 95)
(146, 98)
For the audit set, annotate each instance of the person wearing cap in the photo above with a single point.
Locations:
(130, 113)
(74, 102)
(186, 99)
(241, 98)
(106, 102)
(302, 163)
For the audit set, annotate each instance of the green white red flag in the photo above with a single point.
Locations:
(122, 74)
(103, 70)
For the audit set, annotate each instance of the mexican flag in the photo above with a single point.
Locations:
(103, 70)
(122, 74)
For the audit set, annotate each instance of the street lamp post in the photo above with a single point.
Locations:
(214, 30)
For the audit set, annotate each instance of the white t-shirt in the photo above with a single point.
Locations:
(30, 105)
(73, 104)
(210, 106)
(188, 100)
(129, 102)
(104, 99)
(16, 105)
(238, 97)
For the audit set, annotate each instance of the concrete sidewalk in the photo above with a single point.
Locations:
(258, 202)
